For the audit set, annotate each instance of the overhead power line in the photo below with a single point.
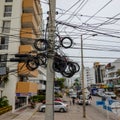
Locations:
(89, 30)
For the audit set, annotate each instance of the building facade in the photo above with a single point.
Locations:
(99, 72)
(20, 25)
(89, 77)
(112, 75)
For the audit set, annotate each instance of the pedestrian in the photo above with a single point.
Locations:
(73, 101)
(90, 97)
(77, 100)
(103, 98)
(70, 101)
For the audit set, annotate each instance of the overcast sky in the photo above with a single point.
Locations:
(101, 17)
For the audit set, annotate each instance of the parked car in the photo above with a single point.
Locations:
(87, 100)
(100, 92)
(73, 95)
(110, 94)
(58, 99)
(58, 106)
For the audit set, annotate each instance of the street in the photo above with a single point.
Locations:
(75, 112)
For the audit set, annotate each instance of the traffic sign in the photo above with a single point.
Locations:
(115, 107)
(107, 108)
(100, 103)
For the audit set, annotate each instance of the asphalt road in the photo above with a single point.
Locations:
(75, 112)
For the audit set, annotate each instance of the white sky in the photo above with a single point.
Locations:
(101, 16)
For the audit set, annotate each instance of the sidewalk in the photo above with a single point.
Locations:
(27, 114)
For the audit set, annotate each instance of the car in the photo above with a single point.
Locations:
(110, 95)
(87, 100)
(73, 95)
(58, 107)
(58, 99)
(100, 92)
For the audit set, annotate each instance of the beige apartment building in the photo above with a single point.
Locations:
(20, 24)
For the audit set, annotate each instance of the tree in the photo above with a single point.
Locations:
(3, 101)
(4, 78)
(77, 83)
(59, 82)
(118, 72)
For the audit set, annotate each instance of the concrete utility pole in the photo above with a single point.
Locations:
(49, 112)
(83, 86)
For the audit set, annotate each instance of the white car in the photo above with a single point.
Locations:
(73, 95)
(87, 100)
(58, 106)
(110, 95)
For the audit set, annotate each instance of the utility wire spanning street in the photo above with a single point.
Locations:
(75, 112)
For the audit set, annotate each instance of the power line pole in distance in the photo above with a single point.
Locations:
(83, 82)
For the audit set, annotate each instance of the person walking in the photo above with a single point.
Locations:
(90, 98)
(70, 101)
(73, 101)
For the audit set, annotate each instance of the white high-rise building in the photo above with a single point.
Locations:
(20, 25)
(89, 76)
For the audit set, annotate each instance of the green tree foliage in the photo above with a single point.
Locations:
(38, 98)
(3, 101)
(76, 83)
(118, 72)
(4, 78)
(59, 82)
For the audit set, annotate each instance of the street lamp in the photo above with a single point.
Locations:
(83, 91)
(83, 84)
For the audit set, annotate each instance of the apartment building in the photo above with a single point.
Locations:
(112, 78)
(20, 25)
(89, 77)
(99, 72)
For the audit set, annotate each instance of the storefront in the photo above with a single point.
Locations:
(24, 91)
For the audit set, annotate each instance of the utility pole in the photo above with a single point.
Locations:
(49, 112)
(83, 84)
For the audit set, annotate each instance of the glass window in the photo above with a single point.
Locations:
(3, 59)
(8, 10)
(8, 0)
(6, 26)
(4, 42)
(56, 103)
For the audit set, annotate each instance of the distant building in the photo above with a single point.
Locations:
(99, 72)
(89, 76)
(112, 79)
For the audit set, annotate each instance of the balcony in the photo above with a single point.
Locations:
(23, 71)
(28, 21)
(25, 49)
(33, 6)
(26, 88)
(27, 33)
(27, 36)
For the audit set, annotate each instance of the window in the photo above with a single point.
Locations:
(4, 42)
(57, 103)
(8, 0)
(6, 26)
(3, 59)
(8, 10)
